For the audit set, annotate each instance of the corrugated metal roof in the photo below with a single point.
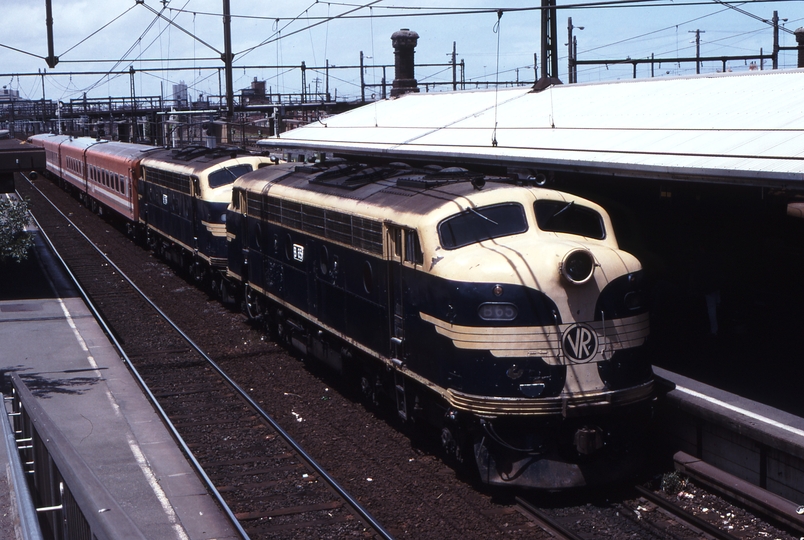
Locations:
(745, 128)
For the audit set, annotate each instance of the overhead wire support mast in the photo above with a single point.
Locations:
(226, 55)
(51, 59)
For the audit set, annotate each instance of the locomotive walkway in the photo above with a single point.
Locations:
(77, 388)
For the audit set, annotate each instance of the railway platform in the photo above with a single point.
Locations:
(754, 442)
(107, 454)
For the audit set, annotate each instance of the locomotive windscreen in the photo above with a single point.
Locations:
(478, 224)
(227, 175)
(568, 217)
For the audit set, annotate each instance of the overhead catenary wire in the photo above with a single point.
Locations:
(96, 32)
(674, 28)
(478, 11)
(171, 22)
(353, 11)
(272, 39)
(137, 42)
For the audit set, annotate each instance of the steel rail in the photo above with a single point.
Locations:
(682, 514)
(356, 506)
(546, 520)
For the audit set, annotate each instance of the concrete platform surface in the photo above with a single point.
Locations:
(50, 339)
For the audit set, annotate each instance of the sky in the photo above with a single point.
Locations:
(98, 41)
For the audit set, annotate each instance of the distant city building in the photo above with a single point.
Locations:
(180, 96)
(255, 94)
(8, 95)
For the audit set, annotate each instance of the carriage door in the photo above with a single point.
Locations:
(396, 315)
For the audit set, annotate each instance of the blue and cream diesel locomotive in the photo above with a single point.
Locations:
(503, 314)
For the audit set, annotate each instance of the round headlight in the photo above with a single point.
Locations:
(578, 266)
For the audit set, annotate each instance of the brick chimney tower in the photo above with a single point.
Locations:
(404, 42)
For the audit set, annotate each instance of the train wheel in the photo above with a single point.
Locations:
(369, 387)
(252, 303)
(198, 272)
(223, 290)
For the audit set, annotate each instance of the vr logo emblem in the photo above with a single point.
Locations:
(579, 343)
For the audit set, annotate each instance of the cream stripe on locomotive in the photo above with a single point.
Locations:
(216, 229)
(543, 341)
(565, 405)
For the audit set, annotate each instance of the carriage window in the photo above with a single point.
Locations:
(227, 175)
(484, 223)
(568, 217)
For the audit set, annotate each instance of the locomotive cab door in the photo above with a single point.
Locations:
(195, 202)
(396, 316)
(404, 252)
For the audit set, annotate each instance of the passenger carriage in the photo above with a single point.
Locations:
(104, 172)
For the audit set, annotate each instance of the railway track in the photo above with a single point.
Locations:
(268, 483)
(646, 514)
(641, 519)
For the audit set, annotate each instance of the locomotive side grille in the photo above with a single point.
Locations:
(291, 214)
(361, 233)
(339, 227)
(367, 234)
(253, 204)
(273, 209)
(170, 180)
(313, 220)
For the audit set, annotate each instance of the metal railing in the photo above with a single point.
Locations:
(71, 502)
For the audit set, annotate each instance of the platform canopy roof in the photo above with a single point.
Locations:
(733, 128)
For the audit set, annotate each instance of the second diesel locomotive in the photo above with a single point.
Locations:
(175, 199)
(504, 315)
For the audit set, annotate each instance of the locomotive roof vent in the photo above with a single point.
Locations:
(437, 176)
(399, 165)
(189, 153)
(348, 175)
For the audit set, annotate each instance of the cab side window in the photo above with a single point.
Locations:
(413, 250)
